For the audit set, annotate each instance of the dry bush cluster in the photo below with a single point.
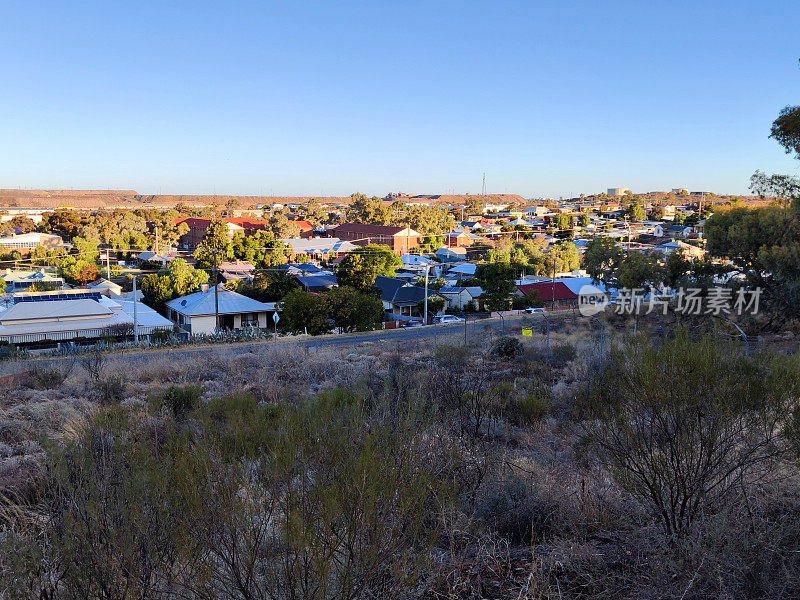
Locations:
(415, 470)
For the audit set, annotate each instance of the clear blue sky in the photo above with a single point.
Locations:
(548, 98)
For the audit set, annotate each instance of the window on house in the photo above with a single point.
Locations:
(249, 319)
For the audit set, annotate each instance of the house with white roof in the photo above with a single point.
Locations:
(196, 313)
(106, 287)
(463, 270)
(319, 247)
(451, 254)
(50, 318)
(20, 281)
(28, 241)
(459, 296)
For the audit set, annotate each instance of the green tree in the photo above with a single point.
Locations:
(635, 212)
(602, 259)
(360, 267)
(497, 281)
(784, 188)
(282, 228)
(368, 210)
(352, 310)
(435, 305)
(178, 279)
(301, 311)
(215, 244)
(314, 213)
(261, 249)
(79, 271)
(564, 222)
(270, 286)
(764, 245)
(786, 130)
(641, 270)
(64, 222)
(583, 220)
(426, 219)
(561, 258)
(657, 213)
(23, 223)
(475, 206)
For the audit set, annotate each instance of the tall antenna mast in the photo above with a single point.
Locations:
(483, 187)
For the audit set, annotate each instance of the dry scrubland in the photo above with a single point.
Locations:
(395, 470)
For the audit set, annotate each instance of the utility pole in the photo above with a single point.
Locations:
(108, 263)
(216, 290)
(425, 314)
(155, 240)
(135, 314)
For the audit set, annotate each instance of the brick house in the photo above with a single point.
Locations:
(198, 228)
(399, 239)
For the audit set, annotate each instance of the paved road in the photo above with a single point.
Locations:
(476, 329)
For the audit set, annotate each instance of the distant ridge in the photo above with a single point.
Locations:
(96, 199)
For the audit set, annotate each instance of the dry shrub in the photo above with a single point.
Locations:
(50, 376)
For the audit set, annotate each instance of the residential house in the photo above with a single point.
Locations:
(471, 225)
(584, 285)
(198, 228)
(298, 269)
(416, 262)
(555, 294)
(456, 254)
(400, 298)
(150, 256)
(458, 238)
(106, 287)
(460, 297)
(318, 248)
(25, 242)
(196, 313)
(673, 231)
(237, 269)
(52, 318)
(20, 281)
(400, 239)
(462, 271)
(306, 228)
(687, 249)
(317, 283)
(537, 211)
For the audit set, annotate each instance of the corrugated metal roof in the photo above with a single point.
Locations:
(202, 303)
(145, 316)
(548, 291)
(52, 309)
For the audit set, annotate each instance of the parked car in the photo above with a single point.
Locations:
(443, 319)
(412, 324)
(531, 310)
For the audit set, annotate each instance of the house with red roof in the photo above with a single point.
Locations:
(555, 294)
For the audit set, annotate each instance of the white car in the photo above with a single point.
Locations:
(532, 311)
(449, 319)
